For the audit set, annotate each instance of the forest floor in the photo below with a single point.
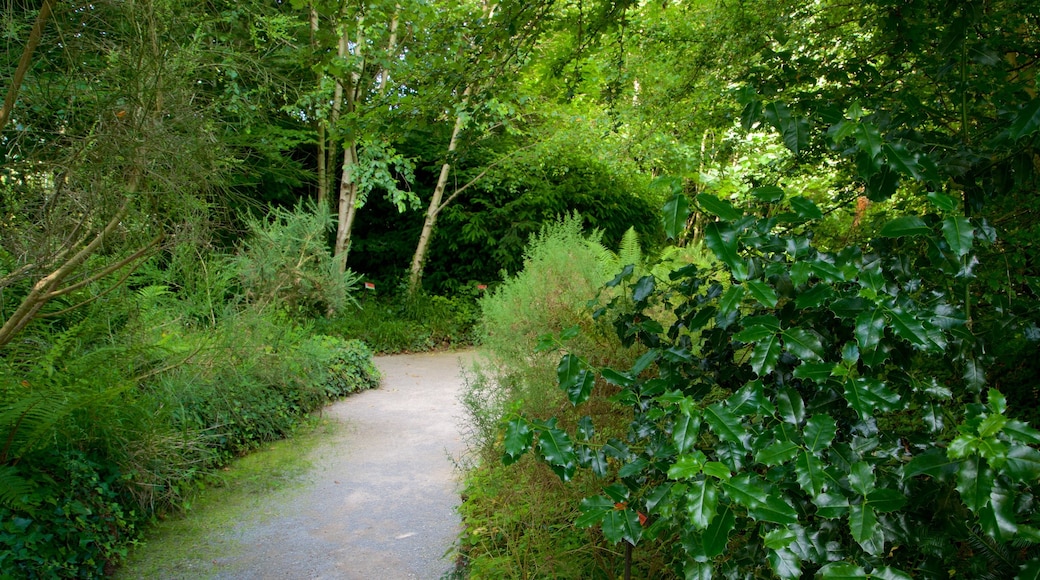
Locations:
(375, 496)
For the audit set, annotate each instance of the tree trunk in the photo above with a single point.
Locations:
(348, 198)
(323, 172)
(435, 207)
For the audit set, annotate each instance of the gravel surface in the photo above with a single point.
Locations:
(380, 500)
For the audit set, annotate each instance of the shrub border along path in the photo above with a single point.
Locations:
(379, 502)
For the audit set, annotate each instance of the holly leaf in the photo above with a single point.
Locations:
(886, 500)
(870, 328)
(620, 525)
(775, 509)
(686, 430)
(517, 441)
(558, 452)
(905, 226)
(804, 344)
(842, 571)
(764, 355)
(593, 509)
(768, 193)
(975, 482)
(763, 293)
(862, 522)
(819, 433)
(809, 471)
(805, 208)
(785, 563)
(1026, 122)
(723, 243)
(675, 212)
(726, 425)
(791, 406)
(716, 535)
(719, 207)
(702, 499)
(959, 233)
(777, 453)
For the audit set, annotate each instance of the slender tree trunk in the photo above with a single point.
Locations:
(435, 207)
(348, 199)
(24, 62)
(323, 172)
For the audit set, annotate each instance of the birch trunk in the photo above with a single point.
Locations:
(435, 207)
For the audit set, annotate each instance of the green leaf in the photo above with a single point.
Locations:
(674, 214)
(886, 500)
(785, 563)
(959, 234)
(753, 333)
(592, 511)
(805, 208)
(889, 573)
(768, 193)
(764, 356)
(687, 466)
(775, 509)
(702, 499)
(831, 505)
(716, 536)
(717, 469)
(905, 226)
(643, 288)
(862, 522)
(819, 433)
(585, 428)
(731, 300)
(1026, 122)
(870, 328)
(570, 373)
(933, 463)
(793, 130)
(747, 490)
(518, 440)
(619, 379)
(779, 538)
(1022, 432)
(998, 518)
(693, 570)
(719, 207)
(842, 571)
(909, 328)
(1023, 463)
(901, 160)
(866, 395)
(942, 201)
(686, 430)
(763, 293)
(622, 525)
(558, 452)
(1029, 571)
(726, 425)
(869, 139)
(817, 372)
(777, 453)
(809, 472)
(974, 482)
(791, 406)
(804, 344)
(723, 243)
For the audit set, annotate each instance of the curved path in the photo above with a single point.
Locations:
(380, 501)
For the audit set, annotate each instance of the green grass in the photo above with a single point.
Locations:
(192, 544)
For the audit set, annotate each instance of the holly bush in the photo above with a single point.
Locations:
(801, 412)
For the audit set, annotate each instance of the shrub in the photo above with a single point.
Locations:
(286, 262)
(821, 413)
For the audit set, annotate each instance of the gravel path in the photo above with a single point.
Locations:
(380, 501)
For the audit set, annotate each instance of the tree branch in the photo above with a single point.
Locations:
(24, 62)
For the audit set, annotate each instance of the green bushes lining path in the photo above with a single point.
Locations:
(90, 461)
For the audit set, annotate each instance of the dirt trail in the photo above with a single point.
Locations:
(380, 500)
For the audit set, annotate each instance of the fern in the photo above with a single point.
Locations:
(13, 487)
